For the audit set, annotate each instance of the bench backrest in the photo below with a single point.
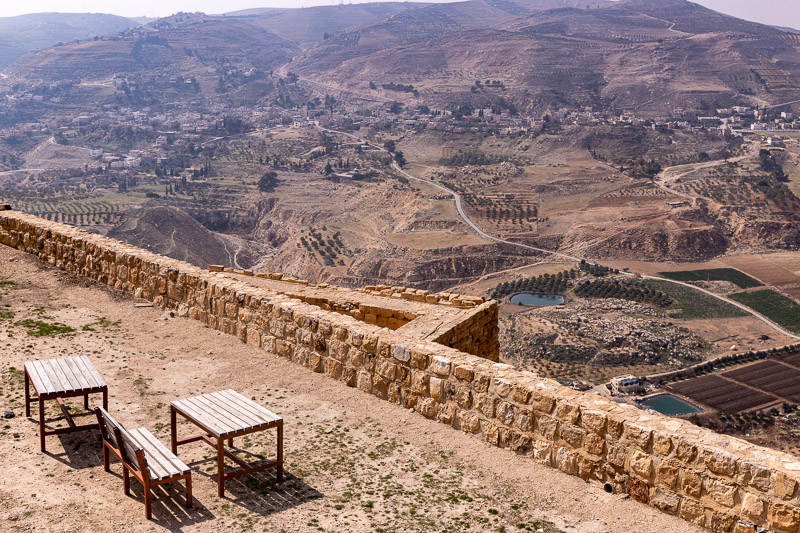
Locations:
(108, 426)
(132, 453)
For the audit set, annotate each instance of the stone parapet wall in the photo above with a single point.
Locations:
(719, 482)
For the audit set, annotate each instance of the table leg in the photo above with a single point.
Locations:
(86, 401)
(221, 467)
(105, 399)
(41, 423)
(27, 395)
(280, 451)
(173, 430)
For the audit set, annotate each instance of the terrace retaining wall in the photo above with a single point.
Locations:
(716, 481)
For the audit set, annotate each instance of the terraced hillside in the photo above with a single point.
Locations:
(639, 54)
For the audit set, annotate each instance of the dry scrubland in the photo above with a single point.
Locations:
(379, 466)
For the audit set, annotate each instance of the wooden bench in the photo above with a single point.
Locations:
(142, 455)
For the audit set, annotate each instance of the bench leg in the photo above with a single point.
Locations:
(173, 430)
(148, 501)
(106, 459)
(280, 452)
(41, 423)
(220, 467)
(126, 481)
(189, 490)
(27, 395)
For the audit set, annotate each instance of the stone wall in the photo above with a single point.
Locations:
(720, 482)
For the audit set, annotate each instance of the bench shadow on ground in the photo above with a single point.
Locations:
(259, 492)
(79, 450)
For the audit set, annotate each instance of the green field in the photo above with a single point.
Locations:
(773, 305)
(738, 278)
(690, 303)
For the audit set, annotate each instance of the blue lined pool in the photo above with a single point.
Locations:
(667, 404)
(537, 300)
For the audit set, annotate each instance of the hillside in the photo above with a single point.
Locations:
(24, 33)
(170, 231)
(184, 44)
(642, 54)
(310, 25)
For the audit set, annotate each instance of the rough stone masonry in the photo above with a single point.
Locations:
(717, 481)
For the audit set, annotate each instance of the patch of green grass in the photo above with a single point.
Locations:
(39, 328)
(773, 305)
(738, 278)
(690, 303)
(6, 315)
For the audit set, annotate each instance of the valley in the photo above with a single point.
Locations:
(446, 147)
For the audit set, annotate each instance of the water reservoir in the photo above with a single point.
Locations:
(667, 404)
(537, 300)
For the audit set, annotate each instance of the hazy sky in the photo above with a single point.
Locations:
(777, 12)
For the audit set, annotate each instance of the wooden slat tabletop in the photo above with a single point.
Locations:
(65, 374)
(226, 412)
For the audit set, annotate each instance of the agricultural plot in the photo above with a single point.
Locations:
(791, 359)
(774, 306)
(738, 278)
(762, 269)
(778, 379)
(690, 303)
(722, 394)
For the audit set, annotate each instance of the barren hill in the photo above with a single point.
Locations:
(21, 34)
(641, 54)
(310, 25)
(185, 44)
(171, 232)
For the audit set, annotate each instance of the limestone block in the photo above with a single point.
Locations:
(542, 451)
(692, 483)
(667, 475)
(524, 420)
(753, 508)
(547, 427)
(464, 373)
(641, 464)
(567, 461)
(364, 381)
(685, 452)
(662, 444)
(722, 493)
(784, 486)
(542, 403)
(427, 407)
(784, 516)
(719, 461)
(665, 500)
(463, 397)
(721, 522)
(568, 412)
(491, 432)
(447, 413)
(573, 436)
(638, 435)
(315, 362)
(692, 511)
(754, 475)
(441, 365)
(594, 444)
(594, 421)
(437, 389)
(469, 422)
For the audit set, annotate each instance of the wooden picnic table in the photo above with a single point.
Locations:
(56, 379)
(224, 415)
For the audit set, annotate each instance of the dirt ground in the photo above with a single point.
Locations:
(353, 462)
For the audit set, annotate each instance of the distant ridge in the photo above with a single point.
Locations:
(786, 28)
(24, 33)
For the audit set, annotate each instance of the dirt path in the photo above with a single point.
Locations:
(353, 462)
